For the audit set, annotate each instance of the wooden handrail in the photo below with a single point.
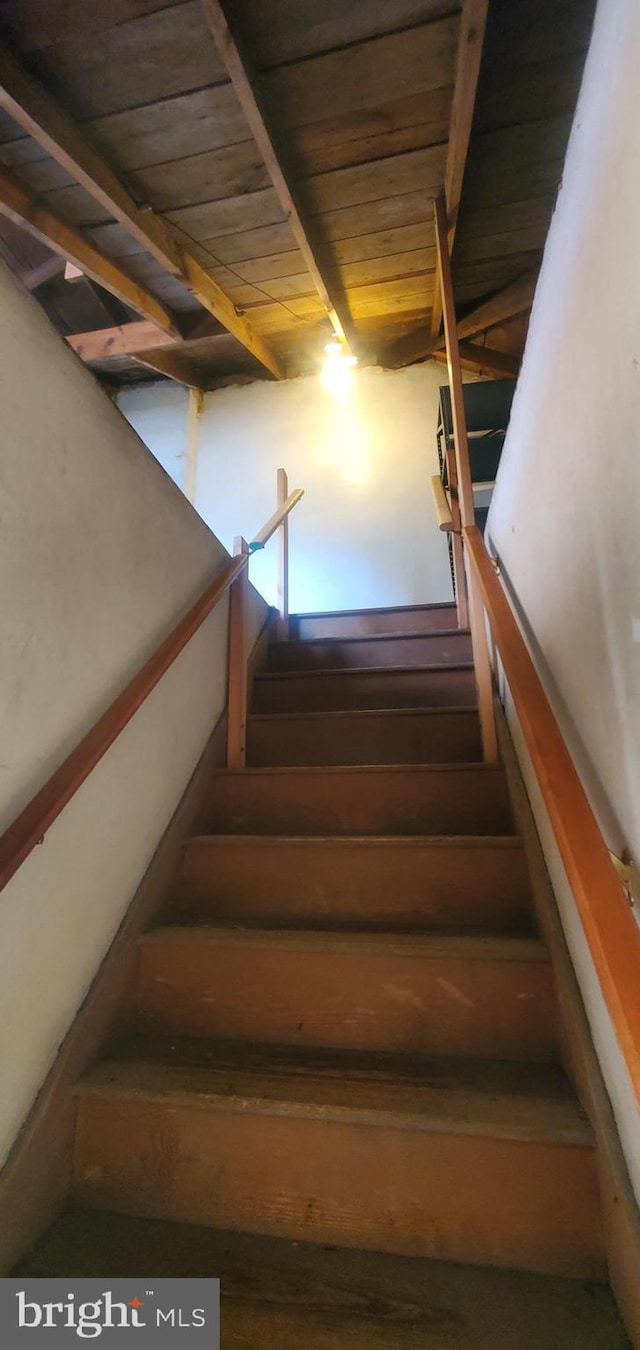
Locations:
(609, 925)
(275, 521)
(442, 508)
(30, 827)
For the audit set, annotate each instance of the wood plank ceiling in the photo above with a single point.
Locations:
(352, 104)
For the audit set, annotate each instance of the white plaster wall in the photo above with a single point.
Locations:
(566, 510)
(157, 410)
(100, 554)
(365, 533)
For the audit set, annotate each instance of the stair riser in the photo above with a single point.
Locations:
(456, 1197)
(357, 690)
(384, 884)
(336, 654)
(316, 803)
(365, 738)
(494, 1008)
(369, 622)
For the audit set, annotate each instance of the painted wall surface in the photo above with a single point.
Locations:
(100, 555)
(158, 412)
(365, 533)
(566, 509)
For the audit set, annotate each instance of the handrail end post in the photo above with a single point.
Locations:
(282, 624)
(237, 683)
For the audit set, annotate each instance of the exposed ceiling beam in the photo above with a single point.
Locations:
(123, 340)
(502, 364)
(18, 204)
(181, 360)
(232, 51)
(474, 357)
(45, 271)
(513, 299)
(472, 30)
(38, 114)
(172, 364)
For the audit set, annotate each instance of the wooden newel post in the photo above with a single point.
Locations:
(462, 505)
(237, 699)
(283, 559)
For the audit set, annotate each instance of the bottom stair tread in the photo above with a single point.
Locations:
(471, 1161)
(282, 1295)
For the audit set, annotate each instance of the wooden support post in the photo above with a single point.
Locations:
(191, 459)
(283, 559)
(237, 696)
(484, 683)
(459, 575)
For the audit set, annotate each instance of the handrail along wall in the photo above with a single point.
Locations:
(606, 915)
(610, 928)
(31, 825)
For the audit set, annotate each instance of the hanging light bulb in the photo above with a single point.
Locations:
(337, 368)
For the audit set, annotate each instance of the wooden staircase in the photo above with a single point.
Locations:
(347, 1036)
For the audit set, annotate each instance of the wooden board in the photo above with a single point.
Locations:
(529, 32)
(138, 61)
(228, 216)
(166, 131)
(381, 882)
(396, 66)
(41, 23)
(283, 1295)
(365, 736)
(391, 177)
(407, 800)
(291, 29)
(331, 690)
(475, 997)
(521, 90)
(349, 1162)
(404, 124)
(232, 171)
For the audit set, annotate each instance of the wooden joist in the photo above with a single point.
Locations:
(238, 69)
(122, 340)
(502, 365)
(39, 115)
(513, 299)
(45, 271)
(20, 206)
(472, 30)
(144, 343)
(170, 363)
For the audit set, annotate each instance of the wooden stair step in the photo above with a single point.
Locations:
(283, 1295)
(414, 993)
(445, 647)
(399, 736)
(365, 622)
(454, 884)
(489, 1164)
(337, 690)
(398, 799)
